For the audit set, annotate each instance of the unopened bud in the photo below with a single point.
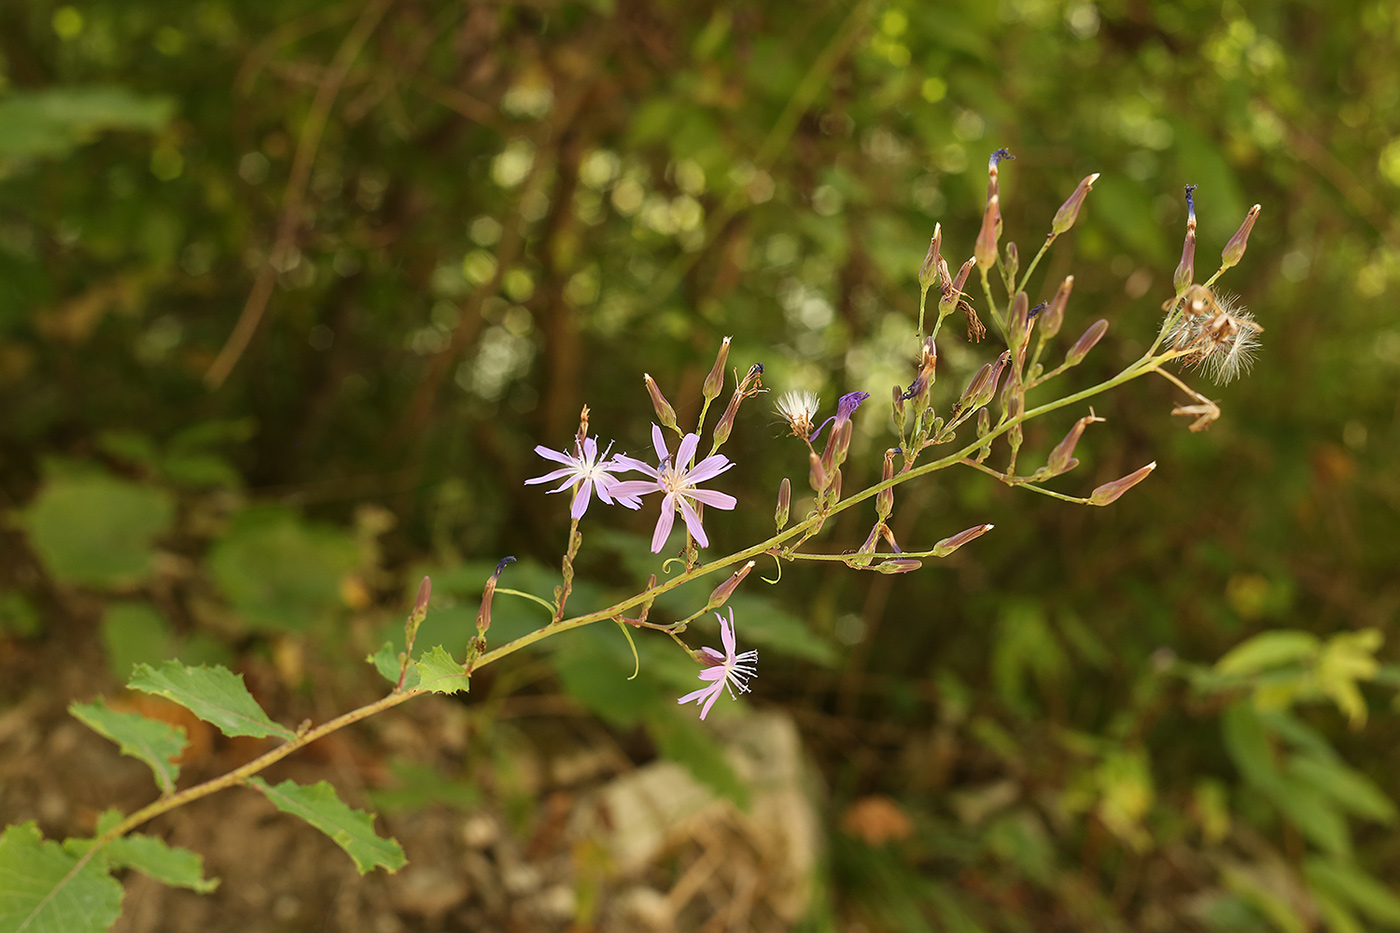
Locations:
(897, 407)
(1186, 269)
(1062, 457)
(1234, 250)
(928, 272)
(1069, 211)
(721, 593)
(985, 249)
(884, 499)
(1086, 342)
(1018, 320)
(899, 565)
(1012, 261)
(780, 514)
(665, 414)
(725, 425)
(949, 545)
(483, 614)
(834, 491)
(843, 442)
(984, 422)
(975, 387)
(816, 473)
(1109, 492)
(420, 604)
(714, 382)
(1054, 314)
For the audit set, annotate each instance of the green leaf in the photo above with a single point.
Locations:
(214, 694)
(54, 121)
(1351, 789)
(1248, 745)
(97, 530)
(40, 892)
(1268, 650)
(386, 662)
(438, 672)
(352, 830)
(1314, 815)
(1349, 883)
(174, 866)
(154, 742)
(134, 633)
(280, 572)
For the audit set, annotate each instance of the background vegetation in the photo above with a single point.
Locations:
(289, 292)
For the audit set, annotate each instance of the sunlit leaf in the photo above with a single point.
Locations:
(440, 673)
(154, 742)
(214, 694)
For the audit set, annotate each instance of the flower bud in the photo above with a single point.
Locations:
(483, 614)
(985, 250)
(1012, 261)
(835, 489)
(780, 514)
(1062, 457)
(1086, 342)
(975, 387)
(843, 442)
(949, 545)
(884, 499)
(420, 604)
(1018, 319)
(897, 407)
(984, 422)
(665, 414)
(1186, 269)
(714, 382)
(1234, 250)
(899, 565)
(1054, 315)
(928, 272)
(1109, 492)
(1069, 211)
(720, 595)
(816, 473)
(726, 422)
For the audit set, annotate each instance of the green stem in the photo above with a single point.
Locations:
(1044, 247)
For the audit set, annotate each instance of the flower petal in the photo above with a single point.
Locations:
(663, 524)
(631, 488)
(726, 634)
(555, 455)
(692, 521)
(686, 451)
(720, 500)
(705, 710)
(624, 462)
(708, 468)
(552, 475)
(581, 498)
(658, 441)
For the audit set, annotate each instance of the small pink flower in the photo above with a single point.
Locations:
(586, 472)
(725, 670)
(678, 483)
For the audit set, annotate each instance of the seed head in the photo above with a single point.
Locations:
(798, 408)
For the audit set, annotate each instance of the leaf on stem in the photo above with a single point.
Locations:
(174, 866)
(439, 673)
(214, 694)
(154, 742)
(40, 891)
(352, 830)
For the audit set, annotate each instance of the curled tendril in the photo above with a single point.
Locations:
(777, 561)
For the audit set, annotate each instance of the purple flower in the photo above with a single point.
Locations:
(846, 406)
(678, 483)
(588, 473)
(724, 670)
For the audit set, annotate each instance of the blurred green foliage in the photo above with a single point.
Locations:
(515, 209)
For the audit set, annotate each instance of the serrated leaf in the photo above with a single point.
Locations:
(152, 741)
(386, 662)
(214, 694)
(352, 830)
(1348, 882)
(1268, 650)
(40, 892)
(439, 673)
(97, 530)
(170, 865)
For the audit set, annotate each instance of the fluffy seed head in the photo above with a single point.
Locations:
(798, 408)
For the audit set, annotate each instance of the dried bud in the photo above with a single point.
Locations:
(665, 414)
(1234, 250)
(721, 593)
(899, 565)
(963, 272)
(884, 499)
(1069, 211)
(726, 422)
(714, 382)
(1012, 261)
(1054, 314)
(1086, 342)
(1062, 457)
(928, 272)
(1109, 492)
(949, 545)
(780, 514)
(483, 614)
(816, 474)
(1186, 269)
(975, 387)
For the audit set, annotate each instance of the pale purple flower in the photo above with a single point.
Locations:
(678, 482)
(845, 407)
(586, 472)
(726, 670)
